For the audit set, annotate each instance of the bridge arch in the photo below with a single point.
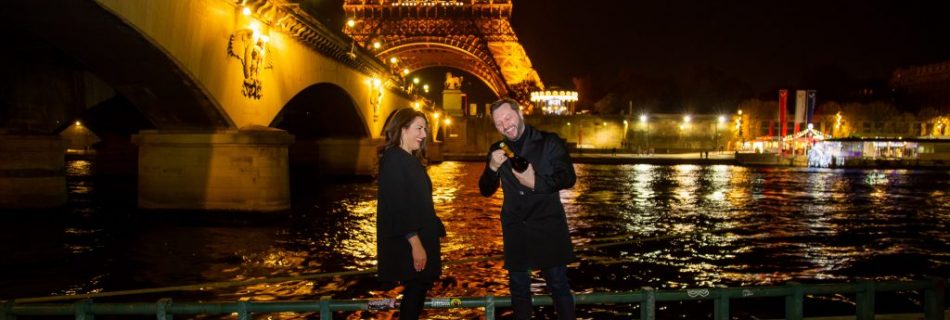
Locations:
(428, 52)
(124, 58)
(211, 76)
(306, 114)
(331, 135)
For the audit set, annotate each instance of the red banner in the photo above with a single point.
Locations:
(782, 107)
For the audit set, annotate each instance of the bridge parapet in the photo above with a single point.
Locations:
(291, 19)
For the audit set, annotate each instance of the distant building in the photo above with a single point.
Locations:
(923, 86)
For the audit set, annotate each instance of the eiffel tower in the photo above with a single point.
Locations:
(474, 36)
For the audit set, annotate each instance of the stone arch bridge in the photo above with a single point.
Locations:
(207, 102)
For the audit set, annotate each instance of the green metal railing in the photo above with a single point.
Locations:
(934, 302)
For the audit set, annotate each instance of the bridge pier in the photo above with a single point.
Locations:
(32, 174)
(244, 170)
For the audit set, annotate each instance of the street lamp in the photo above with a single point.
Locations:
(644, 120)
(445, 128)
(623, 140)
(683, 127)
(738, 130)
(719, 122)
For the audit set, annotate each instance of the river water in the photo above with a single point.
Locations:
(702, 226)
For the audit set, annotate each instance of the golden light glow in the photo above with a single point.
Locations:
(415, 80)
(405, 71)
(256, 27)
(643, 118)
(435, 115)
(78, 123)
(350, 23)
(425, 87)
(721, 119)
(376, 45)
(416, 105)
(246, 11)
(838, 119)
(561, 95)
(447, 121)
(687, 119)
(393, 60)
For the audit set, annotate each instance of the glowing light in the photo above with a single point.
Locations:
(246, 11)
(687, 119)
(425, 87)
(740, 112)
(447, 121)
(416, 105)
(376, 45)
(722, 119)
(405, 71)
(350, 23)
(643, 118)
(435, 115)
(415, 80)
(377, 83)
(393, 60)
(78, 123)
(554, 102)
(266, 39)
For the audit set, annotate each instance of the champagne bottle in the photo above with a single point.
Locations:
(517, 163)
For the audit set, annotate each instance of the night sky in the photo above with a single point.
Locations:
(759, 45)
(765, 43)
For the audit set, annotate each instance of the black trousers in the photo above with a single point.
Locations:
(519, 283)
(413, 299)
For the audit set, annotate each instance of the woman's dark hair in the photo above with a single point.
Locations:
(401, 119)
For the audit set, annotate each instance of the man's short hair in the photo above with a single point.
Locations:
(497, 104)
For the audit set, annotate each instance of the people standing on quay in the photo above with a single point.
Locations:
(408, 231)
(534, 224)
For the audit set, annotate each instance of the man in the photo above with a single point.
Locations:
(534, 225)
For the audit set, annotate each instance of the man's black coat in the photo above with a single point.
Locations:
(534, 225)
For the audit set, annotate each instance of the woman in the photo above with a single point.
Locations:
(407, 229)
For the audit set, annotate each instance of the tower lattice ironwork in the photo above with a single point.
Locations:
(474, 36)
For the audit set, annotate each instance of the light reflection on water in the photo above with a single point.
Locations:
(723, 225)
